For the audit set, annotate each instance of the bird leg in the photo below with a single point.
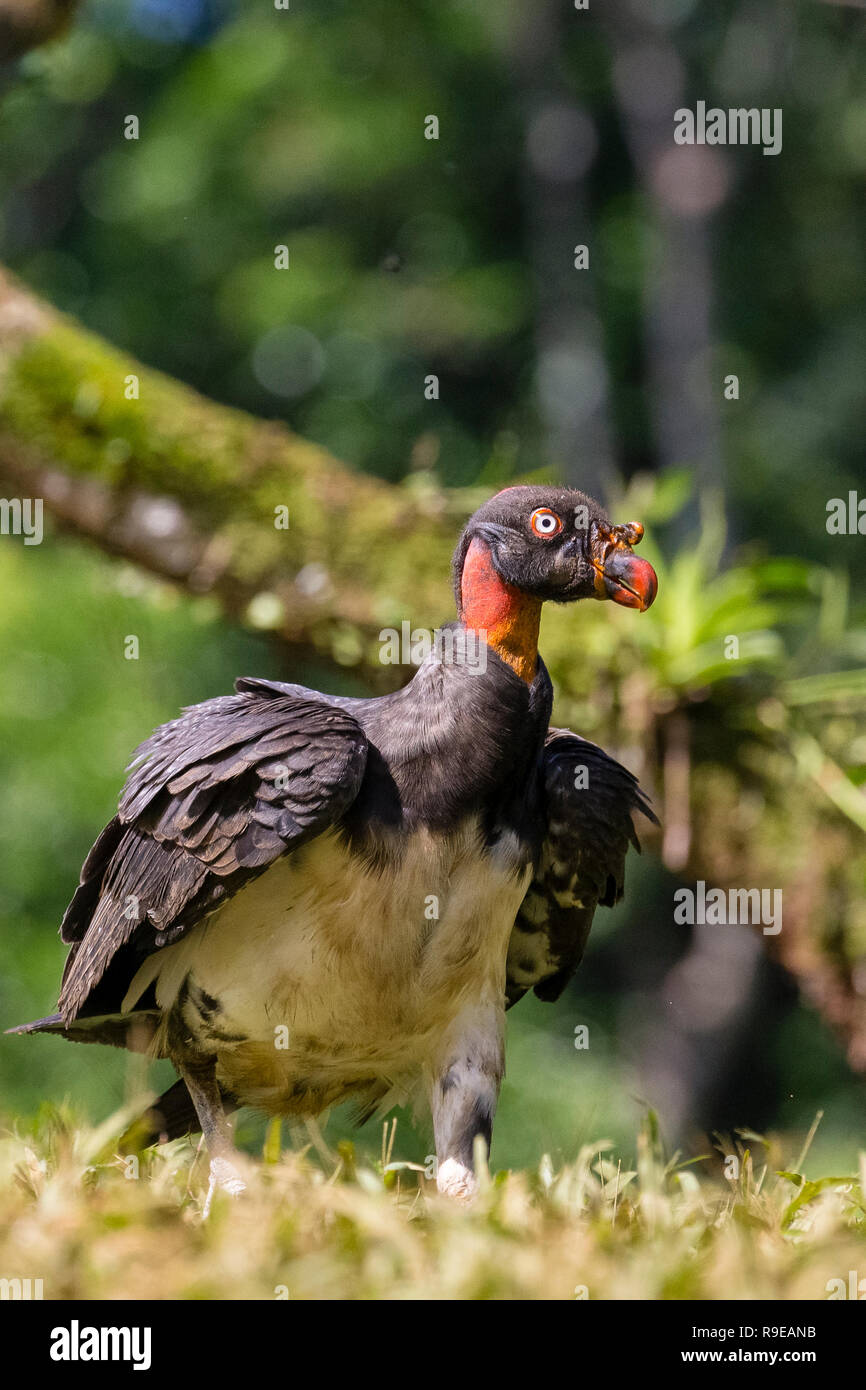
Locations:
(463, 1096)
(202, 1085)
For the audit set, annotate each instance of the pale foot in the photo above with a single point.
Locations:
(225, 1176)
(455, 1180)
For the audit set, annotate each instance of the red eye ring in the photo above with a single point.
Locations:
(540, 523)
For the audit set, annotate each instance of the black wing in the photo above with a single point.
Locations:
(213, 798)
(589, 801)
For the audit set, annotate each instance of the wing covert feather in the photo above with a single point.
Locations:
(590, 800)
(212, 799)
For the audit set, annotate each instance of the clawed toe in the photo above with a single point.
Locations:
(455, 1180)
(224, 1177)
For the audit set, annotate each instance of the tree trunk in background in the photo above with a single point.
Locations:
(684, 185)
(560, 147)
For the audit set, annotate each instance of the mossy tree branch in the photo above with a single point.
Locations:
(200, 494)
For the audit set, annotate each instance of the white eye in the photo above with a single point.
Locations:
(544, 522)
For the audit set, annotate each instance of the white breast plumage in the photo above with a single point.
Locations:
(323, 973)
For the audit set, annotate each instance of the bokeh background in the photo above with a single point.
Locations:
(455, 257)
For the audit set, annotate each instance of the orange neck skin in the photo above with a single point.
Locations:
(505, 617)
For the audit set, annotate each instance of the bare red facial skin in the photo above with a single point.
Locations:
(507, 618)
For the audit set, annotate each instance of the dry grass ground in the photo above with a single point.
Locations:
(323, 1225)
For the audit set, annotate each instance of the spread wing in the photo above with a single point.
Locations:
(589, 802)
(212, 799)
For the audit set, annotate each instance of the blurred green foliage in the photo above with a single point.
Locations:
(304, 128)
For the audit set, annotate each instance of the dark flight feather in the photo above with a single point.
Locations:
(171, 1116)
(589, 804)
(213, 798)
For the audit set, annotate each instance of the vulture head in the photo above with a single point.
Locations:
(549, 543)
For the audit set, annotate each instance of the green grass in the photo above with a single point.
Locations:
(319, 1223)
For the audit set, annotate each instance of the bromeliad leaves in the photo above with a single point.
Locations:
(212, 799)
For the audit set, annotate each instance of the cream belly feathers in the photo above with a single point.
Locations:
(327, 980)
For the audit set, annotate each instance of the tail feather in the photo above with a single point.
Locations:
(133, 1031)
(52, 1024)
(170, 1117)
(173, 1114)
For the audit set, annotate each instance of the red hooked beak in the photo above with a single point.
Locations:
(620, 574)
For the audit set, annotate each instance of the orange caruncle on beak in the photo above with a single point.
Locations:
(619, 573)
